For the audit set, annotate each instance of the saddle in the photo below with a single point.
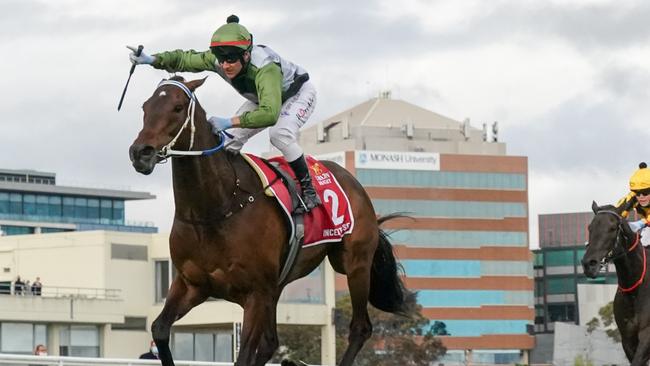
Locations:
(328, 222)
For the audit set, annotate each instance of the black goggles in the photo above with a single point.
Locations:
(229, 56)
(642, 192)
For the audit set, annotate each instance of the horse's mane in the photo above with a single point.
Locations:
(177, 78)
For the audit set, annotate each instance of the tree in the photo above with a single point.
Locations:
(298, 342)
(396, 340)
(582, 361)
(606, 314)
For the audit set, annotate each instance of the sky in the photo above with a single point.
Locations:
(568, 81)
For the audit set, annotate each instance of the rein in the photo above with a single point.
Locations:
(167, 151)
(610, 256)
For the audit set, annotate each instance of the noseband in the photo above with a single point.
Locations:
(611, 255)
(166, 151)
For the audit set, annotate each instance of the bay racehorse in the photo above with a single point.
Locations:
(612, 240)
(227, 247)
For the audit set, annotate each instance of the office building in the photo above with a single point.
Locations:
(31, 202)
(466, 250)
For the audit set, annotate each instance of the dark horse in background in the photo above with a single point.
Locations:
(238, 257)
(611, 239)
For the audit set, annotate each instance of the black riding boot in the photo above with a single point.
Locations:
(309, 196)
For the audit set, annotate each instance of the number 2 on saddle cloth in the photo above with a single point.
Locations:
(325, 223)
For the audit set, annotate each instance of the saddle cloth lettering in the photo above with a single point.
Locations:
(326, 223)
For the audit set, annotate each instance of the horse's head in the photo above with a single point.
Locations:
(608, 234)
(166, 113)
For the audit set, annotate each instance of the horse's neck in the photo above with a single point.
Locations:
(202, 184)
(630, 267)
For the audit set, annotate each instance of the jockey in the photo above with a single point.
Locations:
(640, 195)
(278, 92)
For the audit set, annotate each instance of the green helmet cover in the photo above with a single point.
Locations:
(232, 34)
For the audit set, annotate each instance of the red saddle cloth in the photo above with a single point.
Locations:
(326, 223)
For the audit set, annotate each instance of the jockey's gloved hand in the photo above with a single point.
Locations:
(637, 225)
(142, 59)
(219, 123)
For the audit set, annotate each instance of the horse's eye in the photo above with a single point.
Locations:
(178, 108)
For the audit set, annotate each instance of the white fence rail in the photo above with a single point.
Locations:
(9, 359)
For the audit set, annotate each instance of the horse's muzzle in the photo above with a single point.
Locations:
(591, 268)
(143, 157)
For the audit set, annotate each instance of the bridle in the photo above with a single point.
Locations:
(612, 255)
(167, 151)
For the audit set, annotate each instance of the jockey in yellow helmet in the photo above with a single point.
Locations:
(639, 197)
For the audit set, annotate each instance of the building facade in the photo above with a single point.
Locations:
(465, 250)
(104, 280)
(558, 269)
(103, 289)
(31, 202)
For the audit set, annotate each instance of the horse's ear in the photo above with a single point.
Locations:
(594, 207)
(195, 83)
(626, 206)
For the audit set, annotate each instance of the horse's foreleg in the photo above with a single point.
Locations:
(180, 299)
(257, 315)
(269, 342)
(642, 354)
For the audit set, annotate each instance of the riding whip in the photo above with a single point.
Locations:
(137, 53)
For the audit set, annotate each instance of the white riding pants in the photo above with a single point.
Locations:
(295, 112)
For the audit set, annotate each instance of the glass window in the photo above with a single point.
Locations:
(40, 334)
(162, 280)
(183, 346)
(68, 207)
(16, 203)
(129, 252)
(41, 205)
(465, 209)
(80, 208)
(309, 289)
(54, 206)
(93, 209)
(106, 211)
(203, 347)
(118, 212)
(79, 340)
(17, 337)
(561, 285)
(46, 230)
(561, 312)
(560, 257)
(4, 203)
(412, 178)
(459, 239)
(29, 204)
(17, 230)
(132, 323)
(223, 347)
(21, 337)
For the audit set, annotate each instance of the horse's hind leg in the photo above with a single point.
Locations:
(180, 299)
(357, 262)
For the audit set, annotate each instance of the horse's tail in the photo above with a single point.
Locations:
(387, 291)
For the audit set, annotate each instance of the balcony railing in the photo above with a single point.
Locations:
(62, 292)
(78, 361)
